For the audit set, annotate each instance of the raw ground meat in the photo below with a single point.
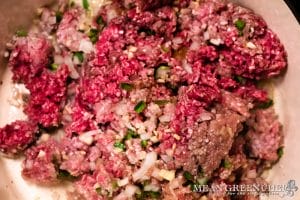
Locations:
(40, 163)
(147, 98)
(17, 136)
(265, 135)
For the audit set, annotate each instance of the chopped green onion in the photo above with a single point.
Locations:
(120, 145)
(93, 35)
(226, 164)
(79, 55)
(58, 16)
(130, 134)
(188, 176)
(240, 24)
(126, 86)
(85, 4)
(21, 33)
(161, 102)
(280, 152)
(266, 104)
(65, 175)
(53, 67)
(140, 107)
(144, 143)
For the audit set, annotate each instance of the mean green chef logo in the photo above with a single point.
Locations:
(281, 190)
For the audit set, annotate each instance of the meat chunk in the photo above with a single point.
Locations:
(68, 32)
(47, 95)
(16, 137)
(152, 4)
(96, 186)
(265, 136)
(40, 162)
(29, 57)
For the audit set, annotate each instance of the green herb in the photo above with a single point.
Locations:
(65, 175)
(165, 49)
(140, 107)
(266, 104)
(144, 143)
(100, 20)
(120, 145)
(161, 102)
(85, 4)
(93, 35)
(226, 164)
(240, 24)
(53, 67)
(240, 80)
(58, 16)
(79, 55)
(130, 134)
(21, 33)
(188, 176)
(280, 152)
(126, 86)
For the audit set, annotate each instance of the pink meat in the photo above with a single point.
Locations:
(16, 137)
(265, 136)
(40, 163)
(29, 57)
(47, 95)
(68, 32)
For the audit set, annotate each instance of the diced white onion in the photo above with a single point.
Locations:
(146, 165)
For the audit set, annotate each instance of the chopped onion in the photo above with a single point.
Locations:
(123, 182)
(146, 165)
(87, 137)
(86, 46)
(187, 67)
(129, 191)
(151, 187)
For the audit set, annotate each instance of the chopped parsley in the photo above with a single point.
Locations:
(53, 67)
(188, 176)
(79, 55)
(240, 24)
(226, 164)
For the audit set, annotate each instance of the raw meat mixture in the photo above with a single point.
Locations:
(146, 99)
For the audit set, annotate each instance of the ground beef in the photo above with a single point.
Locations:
(68, 32)
(265, 135)
(47, 97)
(29, 57)
(40, 164)
(17, 136)
(148, 5)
